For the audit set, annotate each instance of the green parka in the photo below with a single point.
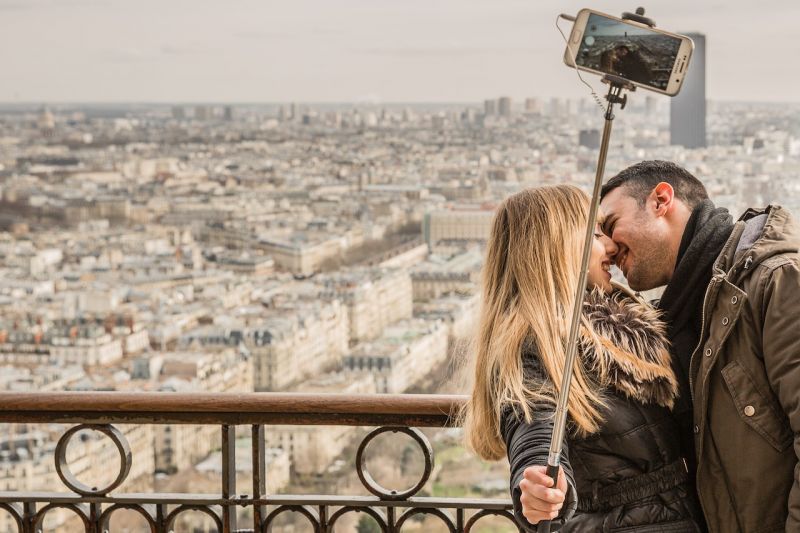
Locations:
(745, 380)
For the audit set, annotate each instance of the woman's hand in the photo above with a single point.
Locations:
(539, 500)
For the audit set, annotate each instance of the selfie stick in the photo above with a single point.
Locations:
(614, 96)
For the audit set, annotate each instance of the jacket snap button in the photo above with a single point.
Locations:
(734, 300)
(749, 410)
(708, 352)
(697, 429)
(725, 321)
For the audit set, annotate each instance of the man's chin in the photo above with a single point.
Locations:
(639, 284)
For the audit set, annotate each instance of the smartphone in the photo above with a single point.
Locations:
(649, 58)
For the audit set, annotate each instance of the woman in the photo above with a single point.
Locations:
(621, 458)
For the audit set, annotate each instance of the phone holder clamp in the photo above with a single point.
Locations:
(639, 17)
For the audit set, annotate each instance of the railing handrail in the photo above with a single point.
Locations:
(420, 410)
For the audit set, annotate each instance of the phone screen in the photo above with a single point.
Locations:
(631, 52)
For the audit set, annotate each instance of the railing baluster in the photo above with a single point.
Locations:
(323, 519)
(460, 520)
(161, 518)
(259, 475)
(390, 519)
(29, 517)
(228, 477)
(94, 518)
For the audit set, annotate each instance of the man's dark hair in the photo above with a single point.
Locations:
(640, 179)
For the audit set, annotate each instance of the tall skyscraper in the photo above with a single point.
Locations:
(504, 105)
(489, 107)
(687, 113)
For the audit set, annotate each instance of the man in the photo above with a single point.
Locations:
(732, 302)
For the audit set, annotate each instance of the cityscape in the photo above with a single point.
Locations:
(298, 247)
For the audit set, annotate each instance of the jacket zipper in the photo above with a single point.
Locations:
(714, 280)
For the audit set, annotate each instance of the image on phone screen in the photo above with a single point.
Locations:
(636, 54)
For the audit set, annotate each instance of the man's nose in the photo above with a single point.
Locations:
(611, 246)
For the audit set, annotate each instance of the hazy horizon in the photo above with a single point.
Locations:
(311, 51)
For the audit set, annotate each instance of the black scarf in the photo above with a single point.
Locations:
(705, 235)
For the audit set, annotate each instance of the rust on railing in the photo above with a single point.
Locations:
(99, 410)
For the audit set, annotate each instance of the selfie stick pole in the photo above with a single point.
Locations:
(614, 96)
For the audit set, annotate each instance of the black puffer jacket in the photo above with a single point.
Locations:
(629, 476)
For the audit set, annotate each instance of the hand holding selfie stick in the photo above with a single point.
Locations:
(614, 96)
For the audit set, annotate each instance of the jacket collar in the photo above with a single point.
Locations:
(624, 347)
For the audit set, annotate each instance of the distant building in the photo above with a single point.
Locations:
(504, 105)
(457, 225)
(589, 139)
(559, 107)
(374, 299)
(687, 116)
(228, 113)
(178, 113)
(201, 113)
(532, 105)
(406, 353)
(489, 107)
(458, 274)
(46, 123)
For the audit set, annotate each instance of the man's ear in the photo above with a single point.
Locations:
(662, 198)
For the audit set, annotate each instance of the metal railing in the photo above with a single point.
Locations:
(99, 411)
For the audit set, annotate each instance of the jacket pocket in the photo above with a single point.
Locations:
(758, 410)
(676, 526)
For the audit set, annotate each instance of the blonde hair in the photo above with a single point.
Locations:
(529, 281)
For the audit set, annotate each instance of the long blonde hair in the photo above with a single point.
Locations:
(529, 281)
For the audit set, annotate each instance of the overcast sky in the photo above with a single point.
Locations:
(357, 50)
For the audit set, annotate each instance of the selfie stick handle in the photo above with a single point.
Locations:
(614, 96)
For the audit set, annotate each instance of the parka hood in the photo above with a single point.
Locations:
(758, 235)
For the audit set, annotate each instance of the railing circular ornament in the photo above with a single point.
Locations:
(15, 512)
(105, 518)
(419, 511)
(490, 512)
(376, 515)
(80, 510)
(371, 485)
(306, 510)
(72, 482)
(214, 513)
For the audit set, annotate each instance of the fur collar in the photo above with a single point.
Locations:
(624, 346)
